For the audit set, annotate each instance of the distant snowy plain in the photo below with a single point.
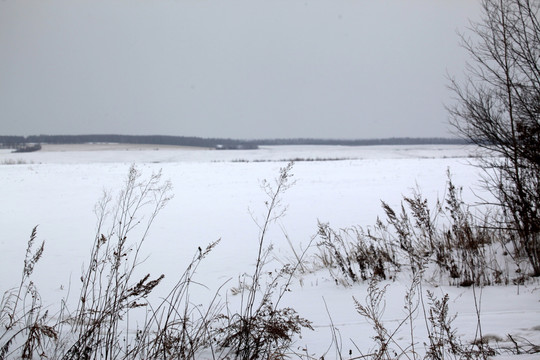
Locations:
(218, 195)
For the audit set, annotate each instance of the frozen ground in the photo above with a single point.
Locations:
(216, 196)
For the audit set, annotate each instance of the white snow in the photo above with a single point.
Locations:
(216, 197)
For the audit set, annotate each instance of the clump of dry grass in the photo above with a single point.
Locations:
(353, 255)
(446, 243)
(401, 340)
(465, 248)
(13, 162)
(260, 328)
(25, 324)
(111, 292)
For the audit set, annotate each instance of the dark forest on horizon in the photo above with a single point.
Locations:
(20, 141)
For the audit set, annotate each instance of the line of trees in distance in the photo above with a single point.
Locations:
(18, 141)
(219, 143)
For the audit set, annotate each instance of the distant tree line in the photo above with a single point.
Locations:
(365, 142)
(11, 142)
(18, 141)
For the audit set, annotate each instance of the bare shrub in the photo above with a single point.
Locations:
(497, 109)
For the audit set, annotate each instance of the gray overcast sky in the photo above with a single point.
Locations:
(230, 68)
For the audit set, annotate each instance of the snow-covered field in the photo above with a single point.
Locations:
(217, 195)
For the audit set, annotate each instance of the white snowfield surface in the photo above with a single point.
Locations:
(218, 195)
